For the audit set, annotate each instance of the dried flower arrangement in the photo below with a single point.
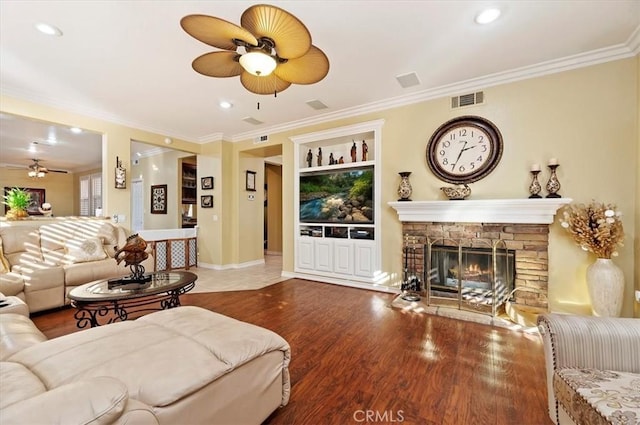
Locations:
(596, 227)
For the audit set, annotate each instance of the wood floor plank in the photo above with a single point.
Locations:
(353, 355)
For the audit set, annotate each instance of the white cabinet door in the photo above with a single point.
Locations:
(324, 255)
(305, 253)
(343, 257)
(365, 258)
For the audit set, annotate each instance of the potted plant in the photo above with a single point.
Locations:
(18, 200)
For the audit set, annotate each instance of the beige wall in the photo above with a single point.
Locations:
(59, 189)
(637, 214)
(587, 118)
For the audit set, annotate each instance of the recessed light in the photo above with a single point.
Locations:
(487, 16)
(48, 29)
(225, 105)
(76, 130)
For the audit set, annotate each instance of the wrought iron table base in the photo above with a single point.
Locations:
(89, 313)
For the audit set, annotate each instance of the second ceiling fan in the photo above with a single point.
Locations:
(270, 50)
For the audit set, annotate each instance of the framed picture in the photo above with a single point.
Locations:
(251, 181)
(121, 175)
(206, 183)
(159, 199)
(206, 201)
(37, 199)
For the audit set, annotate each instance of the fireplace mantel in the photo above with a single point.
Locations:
(529, 211)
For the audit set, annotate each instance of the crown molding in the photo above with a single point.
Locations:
(621, 51)
(594, 57)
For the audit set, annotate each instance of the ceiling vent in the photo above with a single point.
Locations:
(252, 120)
(408, 80)
(316, 104)
(467, 100)
(261, 139)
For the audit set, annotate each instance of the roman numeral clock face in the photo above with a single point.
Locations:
(464, 149)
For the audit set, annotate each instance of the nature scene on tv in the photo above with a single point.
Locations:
(340, 196)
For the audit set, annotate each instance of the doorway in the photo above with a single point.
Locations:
(137, 209)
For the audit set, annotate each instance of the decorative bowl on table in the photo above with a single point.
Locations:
(457, 193)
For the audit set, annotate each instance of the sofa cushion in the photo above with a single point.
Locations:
(96, 401)
(196, 345)
(5, 267)
(16, 333)
(83, 250)
(18, 383)
(81, 273)
(21, 244)
(11, 283)
(593, 396)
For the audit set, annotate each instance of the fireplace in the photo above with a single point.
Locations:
(514, 231)
(476, 278)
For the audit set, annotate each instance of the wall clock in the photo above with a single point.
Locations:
(464, 149)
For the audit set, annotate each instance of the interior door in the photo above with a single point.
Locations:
(137, 205)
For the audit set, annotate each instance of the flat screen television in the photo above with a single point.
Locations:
(337, 196)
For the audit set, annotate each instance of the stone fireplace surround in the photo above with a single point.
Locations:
(522, 223)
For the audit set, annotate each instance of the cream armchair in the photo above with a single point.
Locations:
(592, 367)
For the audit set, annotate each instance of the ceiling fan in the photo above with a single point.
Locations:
(270, 50)
(37, 170)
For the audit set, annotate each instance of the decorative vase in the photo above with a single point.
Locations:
(405, 190)
(605, 282)
(553, 185)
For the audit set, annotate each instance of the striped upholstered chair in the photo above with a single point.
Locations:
(593, 369)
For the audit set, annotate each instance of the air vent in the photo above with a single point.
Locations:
(467, 99)
(408, 80)
(261, 139)
(252, 120)
(316, 104)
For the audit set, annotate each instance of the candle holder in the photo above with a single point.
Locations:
(553, 185)
(535, 188)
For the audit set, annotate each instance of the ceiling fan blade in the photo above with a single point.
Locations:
(58, 171)
(216, 32)
(290, 35)
(308, 69)
(218, 64)
(263, 85)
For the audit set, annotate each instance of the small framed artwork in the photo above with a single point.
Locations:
(206, 183)
(206, 201)
(159, 199)
(251, 181)
(121, 175)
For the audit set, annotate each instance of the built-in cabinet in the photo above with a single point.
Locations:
(337, 204)
(189, 191)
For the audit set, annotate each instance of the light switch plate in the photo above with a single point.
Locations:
(251, 197)
(638, 296)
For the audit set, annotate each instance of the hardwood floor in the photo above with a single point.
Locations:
(356, 360)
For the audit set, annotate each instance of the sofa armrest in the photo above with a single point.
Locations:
(588, 342)
(100, 400)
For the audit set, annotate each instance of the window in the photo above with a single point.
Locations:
(90, 194)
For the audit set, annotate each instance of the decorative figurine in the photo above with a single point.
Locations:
(331, 160)
(309, 158)
(341, 160)
(365, 150)
(319, 157)
(553, 185)
(535, 188)
(354, 153)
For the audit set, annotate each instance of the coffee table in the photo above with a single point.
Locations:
(95, 301)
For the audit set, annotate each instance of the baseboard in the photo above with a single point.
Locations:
(231, 266)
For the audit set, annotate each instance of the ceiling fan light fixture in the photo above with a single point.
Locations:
(487, 16)
(258, 63)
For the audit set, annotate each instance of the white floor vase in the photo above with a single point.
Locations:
(605, 281)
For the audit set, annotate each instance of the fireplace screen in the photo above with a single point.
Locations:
(478, 278)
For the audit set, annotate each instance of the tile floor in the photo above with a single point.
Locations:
(242, 279)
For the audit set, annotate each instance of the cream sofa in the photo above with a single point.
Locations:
(41, 263)
(593, 369)
(185, 365)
